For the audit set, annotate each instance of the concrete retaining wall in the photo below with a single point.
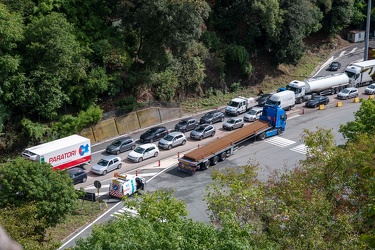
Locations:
(127, 124)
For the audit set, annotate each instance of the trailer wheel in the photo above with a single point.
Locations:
(261, 136)
(214, 160)
(223, 156)
(205, 165)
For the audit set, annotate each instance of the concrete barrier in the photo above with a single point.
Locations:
(169, 113)
(321, 107)
(127, 124)
(105, 129)
(355, 100)
(148, 117)
(371, 97)
(88, 133)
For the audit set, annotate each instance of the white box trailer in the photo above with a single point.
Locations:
(63, 153)
(361, 73)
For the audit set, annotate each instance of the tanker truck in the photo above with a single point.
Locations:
(361, 73)
(323, 85)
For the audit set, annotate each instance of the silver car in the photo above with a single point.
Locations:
(370, 90)
(107, 164)
(347, 93)
(233, 123)
(202, 131)
(121, 145)
(253, 114)
(172, 140)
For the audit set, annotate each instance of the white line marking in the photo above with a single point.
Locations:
(92, 223)
(174, 164)
(352, 51)
(342, 53)
(294, 116)
(279, 141)
(93, 187)
(300, 149)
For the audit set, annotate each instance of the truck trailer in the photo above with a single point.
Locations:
(272, 122)
(63, 153)
(361, 73)
(324, 85)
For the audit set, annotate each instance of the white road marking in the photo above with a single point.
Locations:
(300, 149)
(121, 212)
(279, 141)
(352, 51)
(342, 53)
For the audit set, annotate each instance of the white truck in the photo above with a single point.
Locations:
(239, 105)
(126, 185)
(361, 73)
(324, 85)
(284, 99)
(63, 153)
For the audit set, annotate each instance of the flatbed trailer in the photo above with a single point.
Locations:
(272, 122)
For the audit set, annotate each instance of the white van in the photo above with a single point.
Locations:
(284, 99)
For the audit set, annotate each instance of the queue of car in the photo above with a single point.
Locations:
(199, 129)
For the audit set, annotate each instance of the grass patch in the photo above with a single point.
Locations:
(86, 213)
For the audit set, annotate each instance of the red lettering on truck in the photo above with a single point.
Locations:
(62, 156)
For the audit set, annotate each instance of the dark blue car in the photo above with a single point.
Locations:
(78, 175)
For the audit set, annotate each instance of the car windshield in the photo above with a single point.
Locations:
(183, 122)
(231, 121)
(233, 104)
(252, 112)
(103, 162)
(317, 98)
(151, 130)
(199, 129)
(116, 143)
(371, 87)
(139, 150)
(334, 64)
(209, 115)
(345, 91)
(168, 138)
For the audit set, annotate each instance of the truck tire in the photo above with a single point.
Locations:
(223, 156)
(104, 172)
(279, 131)
(119, 166)
(261, 136)
(214, 160)
(205, 165)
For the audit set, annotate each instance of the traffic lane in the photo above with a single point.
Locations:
(130, 166)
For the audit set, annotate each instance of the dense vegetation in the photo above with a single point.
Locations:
(61, 62)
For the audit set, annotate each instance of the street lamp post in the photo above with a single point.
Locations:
(365, 56)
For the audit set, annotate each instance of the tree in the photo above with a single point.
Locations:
(26, 182)
(363, 123)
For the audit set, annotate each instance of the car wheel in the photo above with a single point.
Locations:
(201, 137)
(104, 172)
(156, 154)
(140, 159)
(119, 166)
(117, 152)
(231, 128)
(169, 147)
(183, 142)
(213, 134)
(211, 122)
(133, 147)
(84, 180)
(222, 119)
(241, 126)
(326, 102)
(151, 140)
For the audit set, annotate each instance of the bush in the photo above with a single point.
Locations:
(235, 87)
(128, 104)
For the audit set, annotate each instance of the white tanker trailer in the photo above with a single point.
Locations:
(324, 85)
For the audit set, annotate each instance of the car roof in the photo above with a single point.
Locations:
(175, 133)
(188, 119)
(351, 88)
(147, 145)
(75, 170)
(256, 108)
(125, 138)
(110, 157)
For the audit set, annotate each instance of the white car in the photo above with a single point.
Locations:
(370, 90)
(107, 164)
(143, 152)
(253, 114)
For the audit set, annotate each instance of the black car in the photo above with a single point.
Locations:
(263, 99)
(186, 124)
(153, 134)
(121, 145)
(316, 101)
(212, 117)
(78, 175)
(334, 66)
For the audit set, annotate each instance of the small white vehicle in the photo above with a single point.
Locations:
(106, 165)
(143, 152)
(284, 99)
(253, 114)
(171, 140)
(239, 105)
(370, 90)
(126, 185)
